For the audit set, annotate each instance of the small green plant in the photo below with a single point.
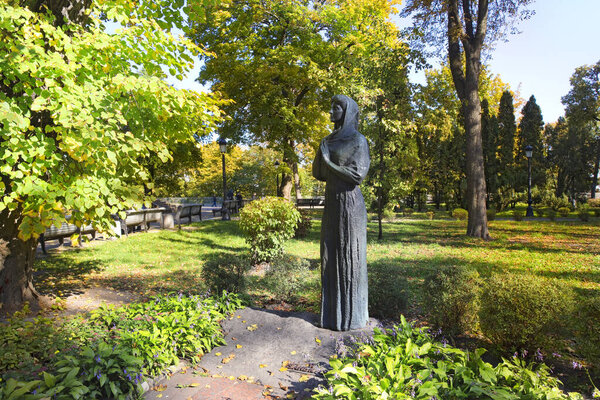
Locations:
(287, 275)
(518, 215)
(539, 212)
(24, 342)
(460, 213)
(564, 211)
(430, 215)
(304, 225)
(267, 223)
(406, 363)
(105, 371)
(491, 214)
(226, 272)
(452, 299)
(517, 310)
(551, 214)
(171, 327)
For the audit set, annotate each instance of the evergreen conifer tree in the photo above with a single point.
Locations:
(530, 133)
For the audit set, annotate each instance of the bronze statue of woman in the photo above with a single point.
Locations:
(342, 161)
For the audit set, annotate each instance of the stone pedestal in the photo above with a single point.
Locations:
(168, 221)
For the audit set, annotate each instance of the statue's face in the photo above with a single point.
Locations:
(336, 113)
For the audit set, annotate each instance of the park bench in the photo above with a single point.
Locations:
(187, 211)
(310, 201)
(141, 218)
(63, 231)
(233, 207)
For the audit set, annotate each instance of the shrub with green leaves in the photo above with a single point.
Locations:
(226, 272)
(518, 215)
(460, 214)
(517, 310)
(287, 275)
(452, 299)
(564, 211)
(388, 291)
(594, 205)
(587, 324)
(406, 363)
(304, 225)
(584, 214)
(267, 223)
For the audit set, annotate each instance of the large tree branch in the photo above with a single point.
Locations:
(466, 5)
(482, 18)
(454, 52)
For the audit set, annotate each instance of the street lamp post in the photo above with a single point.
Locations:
(529, 153)
(277, 178)
(224, 210)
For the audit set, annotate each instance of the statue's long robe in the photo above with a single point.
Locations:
(344, 294)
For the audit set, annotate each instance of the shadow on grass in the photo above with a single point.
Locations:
(61, 275)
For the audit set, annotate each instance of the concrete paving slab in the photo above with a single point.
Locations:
(283, 352)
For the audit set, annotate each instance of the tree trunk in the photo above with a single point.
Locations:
(296, 180)
(286, 186)
(596, 167)
(476, 190)
(16, 265)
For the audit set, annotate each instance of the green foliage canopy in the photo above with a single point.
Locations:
(80, 106)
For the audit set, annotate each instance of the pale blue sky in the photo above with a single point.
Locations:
(561, 36)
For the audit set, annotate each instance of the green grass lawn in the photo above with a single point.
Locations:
(566, 252)
(147, 263)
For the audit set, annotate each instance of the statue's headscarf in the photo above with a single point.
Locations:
(350, 118)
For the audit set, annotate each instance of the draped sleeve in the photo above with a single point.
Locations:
(317, 171)
(354, 161)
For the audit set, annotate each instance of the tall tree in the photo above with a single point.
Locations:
(583, 108)
(566, 154)
(280, 62)
(489, 133)
(76, 121)
(441, 132)
(464, 26)
(507, 136)
(530, 133)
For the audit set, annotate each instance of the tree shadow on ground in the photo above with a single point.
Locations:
(59, 275)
